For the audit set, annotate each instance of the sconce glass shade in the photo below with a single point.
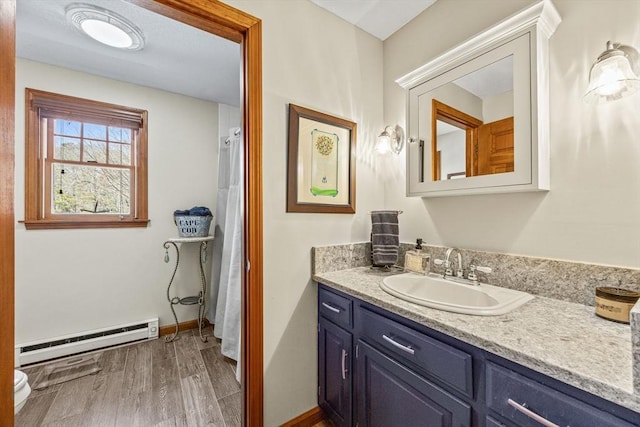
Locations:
(612, 76)
(383, 144)
(105, 27)
(391, 139)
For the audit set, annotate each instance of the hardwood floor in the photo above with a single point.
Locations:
(148, 384)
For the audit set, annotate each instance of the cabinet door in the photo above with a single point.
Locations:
(390, 395)
(334, 372)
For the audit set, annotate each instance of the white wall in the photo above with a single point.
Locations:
(592, 212)
(74, 280)
(228, 117)
(452, 147)
(338, 70)
(497, 107)
(313, 59)
(454, 96)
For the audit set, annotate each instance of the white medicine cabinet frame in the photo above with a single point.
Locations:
(523, 39)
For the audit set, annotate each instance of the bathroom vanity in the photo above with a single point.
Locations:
(383, 361)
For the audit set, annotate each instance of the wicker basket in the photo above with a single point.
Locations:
(193, 226)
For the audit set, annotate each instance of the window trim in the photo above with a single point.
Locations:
(86, 110)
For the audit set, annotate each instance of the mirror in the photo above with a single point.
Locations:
(472, 123)
(478, 114)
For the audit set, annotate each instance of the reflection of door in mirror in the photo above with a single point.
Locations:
(495, 147)
(454, 134)
(472, 123)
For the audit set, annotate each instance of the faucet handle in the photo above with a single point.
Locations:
(472, 271)
(474, 268)
(447, 266)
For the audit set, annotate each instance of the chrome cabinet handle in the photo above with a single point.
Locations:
(529, 413)
(344, 364)
(405, 348)
(335, 310)
(421, 161)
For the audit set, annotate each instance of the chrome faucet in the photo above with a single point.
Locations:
(447, 264)
(471, 279)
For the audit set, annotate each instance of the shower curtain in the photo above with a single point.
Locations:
(227, 249)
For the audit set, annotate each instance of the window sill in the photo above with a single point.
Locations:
(45, 224)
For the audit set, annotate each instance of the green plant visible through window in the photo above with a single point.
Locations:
(91, 168)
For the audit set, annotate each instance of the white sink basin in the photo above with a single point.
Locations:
(436, 292)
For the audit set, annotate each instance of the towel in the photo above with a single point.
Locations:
(199, 211)
(194, 211)
(384, 237)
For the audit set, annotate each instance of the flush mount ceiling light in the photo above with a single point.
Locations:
(614, 75)
(105, 27)
(391, 139)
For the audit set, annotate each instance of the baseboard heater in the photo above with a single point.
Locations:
(38, 351)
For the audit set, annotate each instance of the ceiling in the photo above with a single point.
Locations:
(491, 80)
(176, 57)
(380, 18)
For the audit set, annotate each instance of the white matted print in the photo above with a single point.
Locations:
(323, 158)
(321, 162)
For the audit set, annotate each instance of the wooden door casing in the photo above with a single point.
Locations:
(454, 117)
(217, 18)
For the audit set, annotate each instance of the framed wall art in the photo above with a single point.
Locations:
(321, 164)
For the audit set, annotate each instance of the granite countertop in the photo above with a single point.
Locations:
(563, 340)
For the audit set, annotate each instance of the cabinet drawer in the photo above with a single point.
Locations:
(452, 366)
(336, 308)
(521, 399)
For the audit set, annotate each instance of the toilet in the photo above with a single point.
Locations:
(21, 390)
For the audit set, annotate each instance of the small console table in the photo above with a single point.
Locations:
(199, 299)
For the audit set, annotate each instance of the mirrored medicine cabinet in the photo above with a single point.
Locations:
(478, 114)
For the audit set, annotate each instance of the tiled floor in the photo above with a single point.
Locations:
(153, 383)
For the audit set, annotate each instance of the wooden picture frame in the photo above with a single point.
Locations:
(321, 175)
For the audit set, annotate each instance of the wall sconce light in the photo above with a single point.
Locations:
(614, 75)
(105, 27)
(391, 139)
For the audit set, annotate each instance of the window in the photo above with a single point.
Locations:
(86, 163)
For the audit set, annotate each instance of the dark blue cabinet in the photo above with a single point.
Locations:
(378, 369)
(493, 423)
(418, 351)
(390, 395)
(335, 357)
(334, 373)
(390, 392)
(528, 403)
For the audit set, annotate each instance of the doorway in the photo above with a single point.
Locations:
(216, 18)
